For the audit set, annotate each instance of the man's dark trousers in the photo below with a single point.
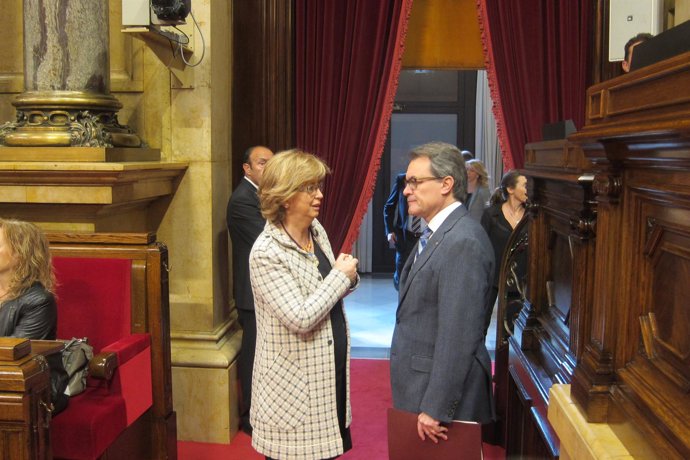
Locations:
(245, 363)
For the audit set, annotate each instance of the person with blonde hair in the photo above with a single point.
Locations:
(478, 193)
(27, 302)
(300, 406)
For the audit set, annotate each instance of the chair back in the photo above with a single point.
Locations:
(93, 299)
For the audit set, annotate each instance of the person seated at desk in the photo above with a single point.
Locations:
(27, 303)
(629, 48)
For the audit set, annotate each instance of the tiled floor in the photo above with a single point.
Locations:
(371, 313)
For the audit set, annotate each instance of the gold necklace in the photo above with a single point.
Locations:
(309, 247)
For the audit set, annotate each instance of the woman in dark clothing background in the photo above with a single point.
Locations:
(27, 303)
(506, 209)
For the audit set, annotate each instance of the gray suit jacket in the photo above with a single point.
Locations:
(439, 361)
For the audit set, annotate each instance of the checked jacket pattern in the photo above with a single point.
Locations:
(294, 413)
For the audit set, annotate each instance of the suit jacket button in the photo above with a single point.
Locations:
(330, 342)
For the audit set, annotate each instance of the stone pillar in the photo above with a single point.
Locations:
(66, 99)
(204, 330)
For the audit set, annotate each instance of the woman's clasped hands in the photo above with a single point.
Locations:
(348, 265)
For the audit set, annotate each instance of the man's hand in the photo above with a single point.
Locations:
(428, 426)
(392, 239)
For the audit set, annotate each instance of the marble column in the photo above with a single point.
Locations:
(66, 99)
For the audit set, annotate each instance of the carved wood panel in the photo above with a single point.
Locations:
(568, 232)
(663, 249)
(644, 319)
(559, 283)
(636, 362)
(665, 327)
(544, 348)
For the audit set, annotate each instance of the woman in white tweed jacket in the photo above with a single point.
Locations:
(300, 390)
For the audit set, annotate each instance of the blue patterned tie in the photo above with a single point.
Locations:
(416, 224)
(424, 239)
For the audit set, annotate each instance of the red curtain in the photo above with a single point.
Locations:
(348, 58)
(537, 57)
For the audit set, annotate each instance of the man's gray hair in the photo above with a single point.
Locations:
(446, 160)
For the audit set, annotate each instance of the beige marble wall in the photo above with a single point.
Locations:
(191, 125)
(11, 57)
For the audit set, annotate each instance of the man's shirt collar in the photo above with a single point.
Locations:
(438, 219)
(250, 181)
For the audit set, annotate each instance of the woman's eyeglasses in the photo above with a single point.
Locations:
(311, 189)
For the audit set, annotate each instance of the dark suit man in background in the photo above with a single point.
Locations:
(245, 223)
(397, 223)
(440, 367)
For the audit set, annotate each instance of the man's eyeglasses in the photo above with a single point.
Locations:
(311, 189)
(413, 182)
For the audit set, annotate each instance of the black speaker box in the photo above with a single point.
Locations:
(559, 130)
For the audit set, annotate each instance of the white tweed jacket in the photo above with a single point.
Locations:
(293, 410)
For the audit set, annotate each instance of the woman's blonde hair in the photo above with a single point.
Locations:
(478, 167)
(29, 246)
(283, 176)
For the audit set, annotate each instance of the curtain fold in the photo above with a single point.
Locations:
(348, 58)
(485, 138)
(537, 55)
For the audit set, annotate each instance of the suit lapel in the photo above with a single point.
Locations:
(412, 267)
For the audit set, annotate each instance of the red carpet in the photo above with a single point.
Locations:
(371, 397)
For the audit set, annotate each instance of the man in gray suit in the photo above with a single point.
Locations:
(440, 367)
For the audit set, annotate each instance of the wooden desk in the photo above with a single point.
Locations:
(24, 405)
(46, 347)
(606, 306)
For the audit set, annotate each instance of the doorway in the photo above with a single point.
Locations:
(430, 105)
